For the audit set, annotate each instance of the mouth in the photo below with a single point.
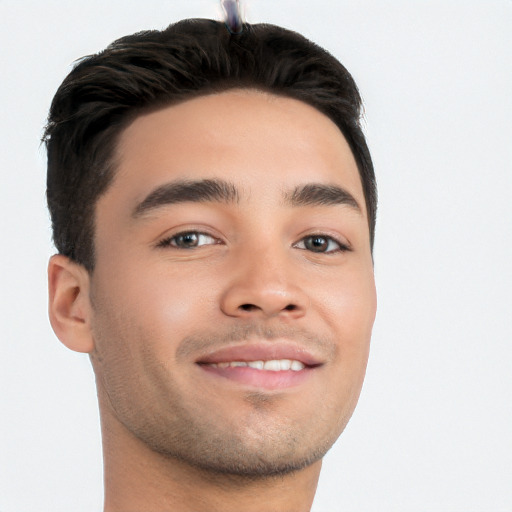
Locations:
(274, 365)
(264, 366)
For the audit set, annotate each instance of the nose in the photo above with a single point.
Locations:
(263, 288)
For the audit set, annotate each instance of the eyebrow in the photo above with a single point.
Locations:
(181, 191)
(318, 194)
(221, 191)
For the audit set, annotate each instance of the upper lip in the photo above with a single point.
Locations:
(261, 351)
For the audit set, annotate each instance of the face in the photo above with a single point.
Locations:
(233, 295)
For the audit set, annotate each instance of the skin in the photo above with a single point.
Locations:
(175, 436)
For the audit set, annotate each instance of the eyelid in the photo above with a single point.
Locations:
(165, 242)
(343, 246)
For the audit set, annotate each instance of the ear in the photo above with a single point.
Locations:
(69, 304)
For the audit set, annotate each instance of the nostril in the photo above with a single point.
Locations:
(252, 307)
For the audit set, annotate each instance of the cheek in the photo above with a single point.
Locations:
(352, 314)
(349, 301)
(160, 303)
(347, 306)
(139, 319)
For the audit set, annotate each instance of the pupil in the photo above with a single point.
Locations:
(317, 244)
(189, 239)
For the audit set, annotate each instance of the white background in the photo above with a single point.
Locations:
(433, 430)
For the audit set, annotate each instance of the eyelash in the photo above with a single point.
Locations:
(341, 247)
(167, 242)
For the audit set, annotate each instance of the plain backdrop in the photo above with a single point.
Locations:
(433, 429)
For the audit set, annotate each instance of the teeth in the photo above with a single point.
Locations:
(256, 364)
(296, 366)
(274, 365)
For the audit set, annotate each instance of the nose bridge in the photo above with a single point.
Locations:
(262, 285)
(266, 272)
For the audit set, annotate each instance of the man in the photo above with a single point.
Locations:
(213, 204)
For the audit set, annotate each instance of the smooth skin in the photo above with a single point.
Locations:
(176, 281)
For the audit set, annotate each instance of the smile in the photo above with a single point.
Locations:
(273, 365)
(263, 365)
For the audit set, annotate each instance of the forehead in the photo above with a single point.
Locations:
(261, 142)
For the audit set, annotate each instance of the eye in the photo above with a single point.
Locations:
(188, 240)
(321, 244)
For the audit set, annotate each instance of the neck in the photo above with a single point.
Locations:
(138, 478)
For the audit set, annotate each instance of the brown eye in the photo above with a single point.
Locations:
(320, 244)
(316, 243)
(188, 240)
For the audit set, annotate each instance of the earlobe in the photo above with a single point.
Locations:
(69, 305)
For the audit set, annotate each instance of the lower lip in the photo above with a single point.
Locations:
(265, 379)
